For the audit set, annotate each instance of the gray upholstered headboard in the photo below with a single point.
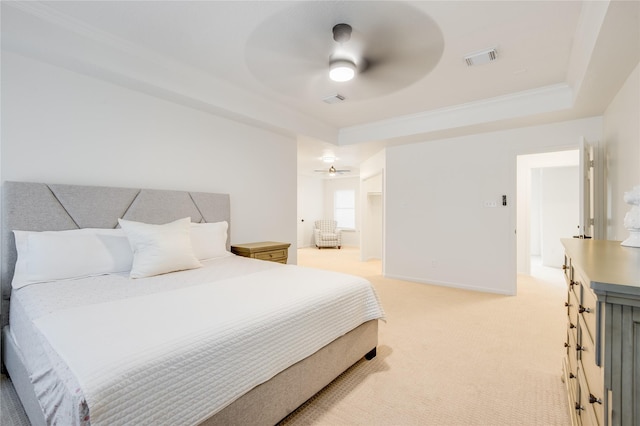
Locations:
(42, 207)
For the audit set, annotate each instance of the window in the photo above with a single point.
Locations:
(344, 208)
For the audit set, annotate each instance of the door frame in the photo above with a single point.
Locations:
(521, 220)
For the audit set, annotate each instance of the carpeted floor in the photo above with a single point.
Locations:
(11, 411)
(449, 356)
(446, 357)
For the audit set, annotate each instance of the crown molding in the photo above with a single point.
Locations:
(79, 47)
(530, 102)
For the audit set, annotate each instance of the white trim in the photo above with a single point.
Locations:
(449, 284)
(529, 102)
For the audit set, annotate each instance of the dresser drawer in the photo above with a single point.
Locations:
(591, 412)
(593, 373)
(272, 255)
(590, 377)
(567, 269)
(572, 334)
(571, 353)
(587, 309)
(571, 381)
(572, 307)
(572, 368)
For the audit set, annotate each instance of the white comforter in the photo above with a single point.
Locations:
(184, 345)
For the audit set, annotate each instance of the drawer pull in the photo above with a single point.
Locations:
(566, 345)
(578, 406)
(572, 376)
(593, 399)
(571, 325)
(567, 304)
(580, 348)
(565, 267)
(582, 309)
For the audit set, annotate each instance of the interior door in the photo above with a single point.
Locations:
(300, 230)
(587, 190)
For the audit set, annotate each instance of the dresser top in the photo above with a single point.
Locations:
(608, 266)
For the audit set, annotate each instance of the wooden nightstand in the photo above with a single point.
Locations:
(265, 250)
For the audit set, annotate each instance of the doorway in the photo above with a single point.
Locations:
(548, 209)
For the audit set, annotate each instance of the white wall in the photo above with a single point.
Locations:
(310, 207)
(437, 229)
(372, 202)
(372, 180)
(622, 152)
(535, 210)
(373, 165)
(559, 213)
(62, 127)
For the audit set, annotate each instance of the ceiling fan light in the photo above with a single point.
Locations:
(342, 70)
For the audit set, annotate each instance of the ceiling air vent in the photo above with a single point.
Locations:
(334, 99)
(482, 57)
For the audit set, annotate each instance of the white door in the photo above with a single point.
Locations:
(300, 220)
(587, 190)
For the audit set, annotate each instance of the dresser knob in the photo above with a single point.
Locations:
(571, 325)
(572, 376)
(566, 345)
(567, 304)
(593, 399)
(582, 309)
(578, 406)
(572, 283)
(580, 348)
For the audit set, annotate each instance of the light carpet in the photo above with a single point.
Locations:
(449, 356)
(445, 357)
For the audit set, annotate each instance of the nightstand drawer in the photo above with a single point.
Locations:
(272, 251)
(272, 255)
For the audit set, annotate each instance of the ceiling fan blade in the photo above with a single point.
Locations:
(290, 52)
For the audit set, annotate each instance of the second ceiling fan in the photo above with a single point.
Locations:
(333, 171)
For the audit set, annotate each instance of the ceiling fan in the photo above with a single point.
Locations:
(294, 51)
(333, 171)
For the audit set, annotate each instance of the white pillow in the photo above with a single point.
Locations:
(158, 249)
(209, 240)
(57, 255)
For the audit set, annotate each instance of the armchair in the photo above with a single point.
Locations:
(326, 235)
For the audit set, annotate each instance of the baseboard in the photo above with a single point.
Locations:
(450, 284)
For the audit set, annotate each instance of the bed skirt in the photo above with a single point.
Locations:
(266, 404)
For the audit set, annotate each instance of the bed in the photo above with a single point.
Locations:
(227, 340)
